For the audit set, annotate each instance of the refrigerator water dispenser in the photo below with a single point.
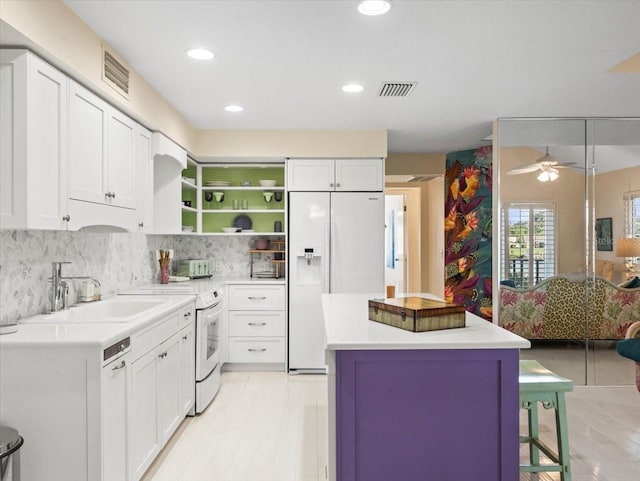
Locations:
(309, 271)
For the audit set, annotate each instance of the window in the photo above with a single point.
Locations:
(632, 215)
(529, 243)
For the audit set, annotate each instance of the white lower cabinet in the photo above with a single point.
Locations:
(92, 412)
(116, 380)
(257, 323)
(169, 409)
(162, 387)
(145, 437)
(187, 370)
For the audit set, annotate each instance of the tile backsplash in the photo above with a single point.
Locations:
(118, 260)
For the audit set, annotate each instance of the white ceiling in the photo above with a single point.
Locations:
(474, 61)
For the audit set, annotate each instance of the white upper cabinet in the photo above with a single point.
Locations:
(348, 175)
(87, 146)
(144, 179)
(102, 163)
(311, 174)
(33, 142)
(102, 151)
(121, 160)
(359, 175)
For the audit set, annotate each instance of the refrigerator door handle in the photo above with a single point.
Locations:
(326, 260)
(333, 257)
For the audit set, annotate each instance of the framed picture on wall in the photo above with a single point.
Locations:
(604, 237)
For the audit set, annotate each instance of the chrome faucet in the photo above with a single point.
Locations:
(60, 287)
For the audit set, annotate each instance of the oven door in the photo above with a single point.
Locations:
(207, 340)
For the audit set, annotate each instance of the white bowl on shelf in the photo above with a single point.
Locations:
(230, 230)
(187, 228)
(267, 183)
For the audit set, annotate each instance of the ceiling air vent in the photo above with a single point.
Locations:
(115, 73)
(396, 89)
(420, 178)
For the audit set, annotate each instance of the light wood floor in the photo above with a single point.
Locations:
(272, 427)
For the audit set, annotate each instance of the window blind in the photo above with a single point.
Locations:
(528, 243)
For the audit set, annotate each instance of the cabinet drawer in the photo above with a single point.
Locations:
(187, 316)
(256, 298)
(259, 349)
(156, 334)
(256, 323)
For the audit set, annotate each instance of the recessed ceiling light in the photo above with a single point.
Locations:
(234, 108)
(352, 88)
(374, 7)
(200, 54)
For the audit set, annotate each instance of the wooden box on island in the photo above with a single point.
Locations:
(416, 313)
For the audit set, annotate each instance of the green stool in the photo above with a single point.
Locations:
(539, 385)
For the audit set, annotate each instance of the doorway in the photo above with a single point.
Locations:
(395, 242)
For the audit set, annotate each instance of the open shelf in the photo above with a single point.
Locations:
(209, 217)
(277, 250)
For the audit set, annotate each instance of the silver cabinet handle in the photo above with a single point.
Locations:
(162, 355)
(113, 195)
(66, 218)
(257, 323)
(331, 184)
(262, 349)
(257, 298)
(187, 314)
(120, 366)
(141, 224)
(184, 338)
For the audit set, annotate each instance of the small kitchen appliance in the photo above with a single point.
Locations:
(193, 268)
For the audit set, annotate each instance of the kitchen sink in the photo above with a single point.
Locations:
(108, 311)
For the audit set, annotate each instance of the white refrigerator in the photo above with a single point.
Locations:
(336, 244)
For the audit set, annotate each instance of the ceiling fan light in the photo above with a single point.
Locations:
(553, 174)
(544, 176)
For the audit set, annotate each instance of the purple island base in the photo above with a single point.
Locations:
(427, 415)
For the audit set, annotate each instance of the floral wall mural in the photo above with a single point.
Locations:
(468, 222)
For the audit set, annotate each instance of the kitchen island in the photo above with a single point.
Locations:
(438, 405)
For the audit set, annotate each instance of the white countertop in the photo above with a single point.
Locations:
(197, 286)
(44, 331)
(347, 327)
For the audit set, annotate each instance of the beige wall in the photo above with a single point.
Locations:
(415, 164)
(609, 191)
(433, 233)
(567, 193)
(291, 143)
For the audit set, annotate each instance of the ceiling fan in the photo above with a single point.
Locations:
(547, 166)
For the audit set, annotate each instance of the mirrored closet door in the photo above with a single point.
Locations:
(565, 199)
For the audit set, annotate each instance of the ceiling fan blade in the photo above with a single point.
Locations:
(525, 169)
(563, 165)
